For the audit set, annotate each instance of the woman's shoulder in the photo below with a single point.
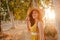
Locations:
(40, 23)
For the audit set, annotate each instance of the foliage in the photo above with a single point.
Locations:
(19, 7)
(3, 10)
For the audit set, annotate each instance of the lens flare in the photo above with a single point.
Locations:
(49, 14)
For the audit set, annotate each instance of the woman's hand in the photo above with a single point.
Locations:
(28, 23)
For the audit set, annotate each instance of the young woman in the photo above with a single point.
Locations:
(35, 24)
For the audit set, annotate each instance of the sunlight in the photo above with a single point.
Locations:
(49, 14)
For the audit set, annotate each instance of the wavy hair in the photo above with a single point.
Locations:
(32, 21)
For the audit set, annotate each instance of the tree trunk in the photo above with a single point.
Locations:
(11, 15)
(35, 3)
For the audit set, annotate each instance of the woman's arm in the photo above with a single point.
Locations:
(28, 23)
(41, 30)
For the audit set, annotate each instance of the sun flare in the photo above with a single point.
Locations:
(49, 14)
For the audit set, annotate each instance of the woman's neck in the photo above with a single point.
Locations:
(36, 20)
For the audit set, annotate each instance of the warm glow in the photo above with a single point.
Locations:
(49, 14)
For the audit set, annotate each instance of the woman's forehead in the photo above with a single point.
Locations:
(34, 11)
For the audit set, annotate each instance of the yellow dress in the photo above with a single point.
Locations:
(34, 32)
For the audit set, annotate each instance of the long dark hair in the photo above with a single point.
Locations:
(32, 21)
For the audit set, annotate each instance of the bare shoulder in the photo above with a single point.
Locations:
(40, 24)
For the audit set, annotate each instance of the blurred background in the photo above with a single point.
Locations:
(13, 14)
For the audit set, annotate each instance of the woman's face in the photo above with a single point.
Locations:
(35, 14)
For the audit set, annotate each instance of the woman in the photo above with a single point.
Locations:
(35, 24)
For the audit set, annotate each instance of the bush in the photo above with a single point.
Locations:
(50, 32)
